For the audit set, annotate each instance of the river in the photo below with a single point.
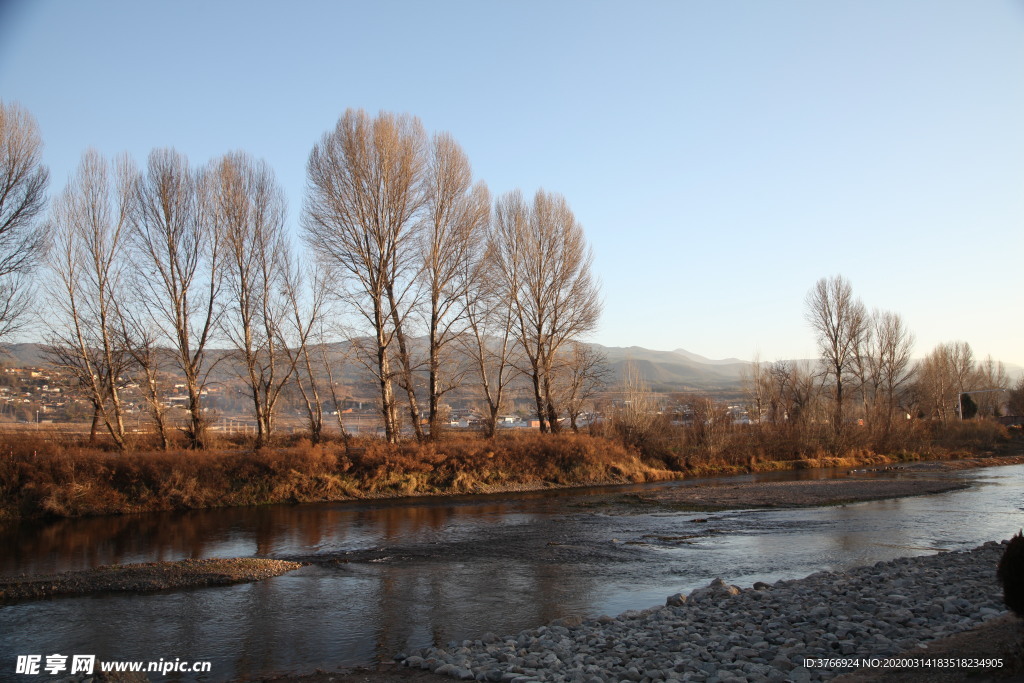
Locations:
(391, 576)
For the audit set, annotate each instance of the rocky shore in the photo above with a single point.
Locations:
(810, 629)
(149, 576)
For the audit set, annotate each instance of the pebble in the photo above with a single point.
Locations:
(765, 633)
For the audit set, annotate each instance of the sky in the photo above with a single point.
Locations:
(721, 156)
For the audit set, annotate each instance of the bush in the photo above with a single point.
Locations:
(970, 434)
(1011, 575)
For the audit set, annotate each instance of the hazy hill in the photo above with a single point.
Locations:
(677, 370)
(22, 355)
(665, 371)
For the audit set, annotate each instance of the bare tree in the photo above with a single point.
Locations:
(840, 323)
(893, 367)
(941, 377)
(635, 417)
(364, 193)
(489, 341)
(178, 261)
(248, 209)
(795, 392)
(89, 227)
(23, 181)
(141, 342)
(582, 373)
(1015, 401)
(458, 214)
(305, 329)
(542, 262)
(709, 425)
(992, 383)
(962, 365)
(752, 379)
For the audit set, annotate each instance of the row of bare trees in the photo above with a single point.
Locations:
(866, 384)
(434, 287)
(412, 241)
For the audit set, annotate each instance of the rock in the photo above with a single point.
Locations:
(676, 600)
(715, 591)
(800, 675)
(764, 634)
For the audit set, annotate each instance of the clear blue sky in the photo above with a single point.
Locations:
(722, 156)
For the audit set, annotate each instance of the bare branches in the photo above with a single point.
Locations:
(177, 256)
(157, 265)
(458, 215)
(840, 323)
(89, 225)
(542, 263)
(365, 191)
(248, 211)
(23, 181)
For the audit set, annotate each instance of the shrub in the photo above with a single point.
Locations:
(1011, 575)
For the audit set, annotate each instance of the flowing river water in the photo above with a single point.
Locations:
(390, 576)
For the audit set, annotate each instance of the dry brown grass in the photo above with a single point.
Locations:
(49, 474)
(59, 478)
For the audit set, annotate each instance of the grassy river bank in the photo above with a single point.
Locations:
(46, 478)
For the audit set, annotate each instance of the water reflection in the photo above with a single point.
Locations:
(411, 573)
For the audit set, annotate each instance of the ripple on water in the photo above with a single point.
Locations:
(432, 571)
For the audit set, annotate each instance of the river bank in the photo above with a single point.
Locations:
(389, 559)
(83, 483)
(810, 629)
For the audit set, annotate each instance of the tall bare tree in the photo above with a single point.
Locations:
(488, 339)
(178, 269)
(360, 217)
(543, 264)
(457, 218)
(248, 209)
(893, 367)
(89, 228)
(840, 323)
(23, 181)
(303, 336)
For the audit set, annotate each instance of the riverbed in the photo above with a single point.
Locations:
(399, 575)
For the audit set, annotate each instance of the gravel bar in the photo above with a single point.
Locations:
(790, 494)
(768, 632)
(149, 576)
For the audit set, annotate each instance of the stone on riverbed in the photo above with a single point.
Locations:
(714, 591)
(676, 600)
(765, 634)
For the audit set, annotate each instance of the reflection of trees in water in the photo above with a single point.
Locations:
(437, 602)
(457, 569)
(70, 544)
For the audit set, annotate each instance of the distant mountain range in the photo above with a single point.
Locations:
(677, 370)
(664, 371)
